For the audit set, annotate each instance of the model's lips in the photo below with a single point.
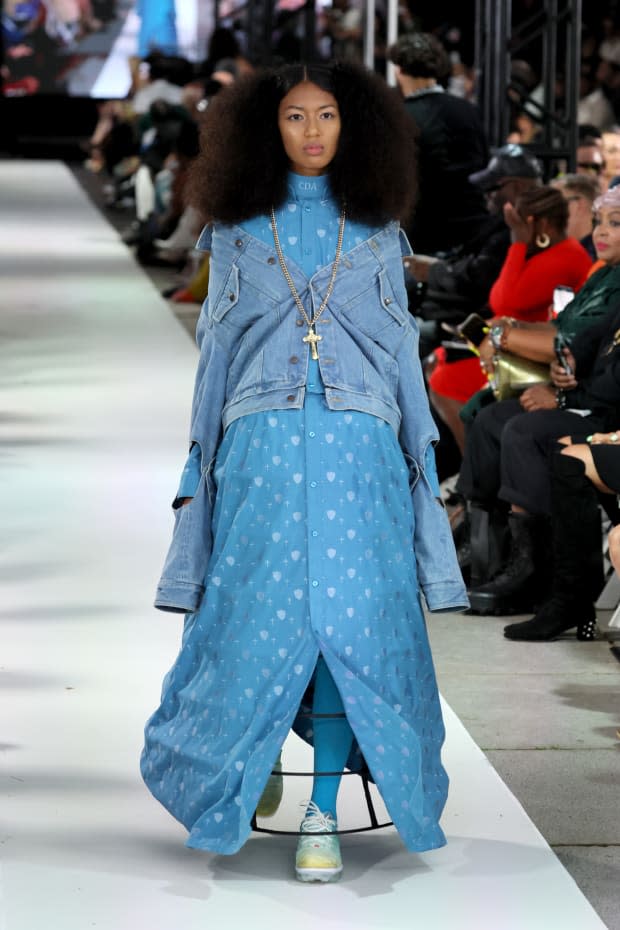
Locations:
(601, 246)
(313, 149)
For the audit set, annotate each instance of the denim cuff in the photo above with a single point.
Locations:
(446, 595)
(177, 597)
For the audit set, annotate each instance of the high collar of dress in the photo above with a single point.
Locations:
(304, 187)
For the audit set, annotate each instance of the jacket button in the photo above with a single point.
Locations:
(231, 296)
(238, 243)
(293, 359)
(299, 322)
(387, 301)
(271, 260)
(291, 397)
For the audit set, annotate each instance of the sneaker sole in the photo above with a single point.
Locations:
(318, 875)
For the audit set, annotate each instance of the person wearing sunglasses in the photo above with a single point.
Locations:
(579, 191)
(590, 159)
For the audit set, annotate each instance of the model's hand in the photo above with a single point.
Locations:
(522, 230)
(418, 265)
(539, 397)
(613, 540)
(185, 501)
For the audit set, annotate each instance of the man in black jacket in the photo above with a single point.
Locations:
(451, 146)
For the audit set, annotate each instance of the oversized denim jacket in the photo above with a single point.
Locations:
(252, 359)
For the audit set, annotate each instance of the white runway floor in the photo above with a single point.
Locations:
(95, 383)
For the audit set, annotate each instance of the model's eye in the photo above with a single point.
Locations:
(294, 117)
(329, 114)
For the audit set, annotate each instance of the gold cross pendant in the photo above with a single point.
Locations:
(312, 337)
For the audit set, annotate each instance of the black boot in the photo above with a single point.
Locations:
(577, 558)
(488, 543)
(460, 524)
(515, 588)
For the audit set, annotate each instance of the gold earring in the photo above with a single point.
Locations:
(543, 241)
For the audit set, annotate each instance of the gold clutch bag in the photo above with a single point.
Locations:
(513, 374)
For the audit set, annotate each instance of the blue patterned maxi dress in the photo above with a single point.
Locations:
(312, 553)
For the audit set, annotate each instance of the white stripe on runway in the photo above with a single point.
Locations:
(95, 382)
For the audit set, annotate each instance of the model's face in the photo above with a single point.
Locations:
(309, 124)
(606, 234)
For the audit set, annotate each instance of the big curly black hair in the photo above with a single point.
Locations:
(242, 167)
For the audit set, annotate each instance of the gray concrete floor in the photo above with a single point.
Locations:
(546, 715)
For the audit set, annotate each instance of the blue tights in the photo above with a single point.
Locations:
(333, 738)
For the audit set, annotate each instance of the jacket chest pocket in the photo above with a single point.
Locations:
(241, 293)
(225, 294)
(376, 309)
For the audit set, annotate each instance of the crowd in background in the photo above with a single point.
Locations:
(516, 269)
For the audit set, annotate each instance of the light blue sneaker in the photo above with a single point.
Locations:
(272, 795)
(318, 856)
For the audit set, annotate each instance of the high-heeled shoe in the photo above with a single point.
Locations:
(554, 618)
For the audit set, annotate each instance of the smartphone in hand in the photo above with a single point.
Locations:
(559, 344)
(474, 328)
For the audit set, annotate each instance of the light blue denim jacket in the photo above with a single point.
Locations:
(252, 359)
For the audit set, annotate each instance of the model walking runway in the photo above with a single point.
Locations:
(94, 379)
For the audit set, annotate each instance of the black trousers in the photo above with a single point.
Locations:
(507, 454)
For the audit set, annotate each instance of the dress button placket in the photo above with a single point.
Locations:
(313, 508)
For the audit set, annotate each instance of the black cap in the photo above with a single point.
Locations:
(510, 161)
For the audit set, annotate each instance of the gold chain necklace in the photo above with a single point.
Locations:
(312, 337)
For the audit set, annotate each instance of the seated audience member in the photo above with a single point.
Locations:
(613, 541)
(485, 525)
(169, 145)
(587, 466)
(30, 62)
(527, 129)
(590, 160)
(580, 191)
(540, 258)
(155, 82)
(601, 107)
(196, 288)
(451, 146)
(611, 156)
(446, 291)
(506, 457)
(113, 138)
(535, 341)
(223, 45)
(344, 28)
